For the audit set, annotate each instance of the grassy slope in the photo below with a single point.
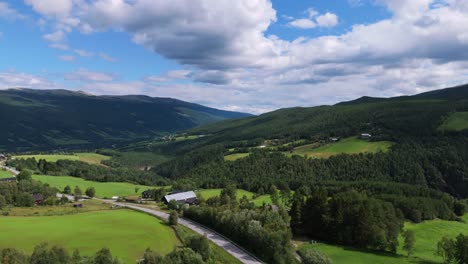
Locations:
(351, 145)
(103, 189)
(427, 235)
(137, 159)
(92, 158)
(456, 122)
(236, 156)
(126, 233)
(5, 174)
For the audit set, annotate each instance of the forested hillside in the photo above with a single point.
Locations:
(51, 119)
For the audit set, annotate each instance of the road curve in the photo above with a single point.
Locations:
(227, 245)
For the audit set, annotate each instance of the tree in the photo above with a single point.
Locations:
(408, 245)
(312, 256)
(183, 256)
(77, 192)
(446, 249)
(137, 189)
(67, 190)
(2, 202)
(173, 218)
(104, 256)
(24, 175)
(12, 256)
(151, 257)
(274, 195)
(173, 205)
(90, 192)
(201, 245)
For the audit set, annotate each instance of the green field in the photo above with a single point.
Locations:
(455, 122)
(126, 233)
(103, 189)
(5, 174)
(139, 159)
(427, 235)
(92, 158)
(208, 193)
(236, 156)
(351, 145)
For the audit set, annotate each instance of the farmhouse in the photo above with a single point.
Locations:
(182, 198)
(38, 198)
(2, 157)
(11, 179)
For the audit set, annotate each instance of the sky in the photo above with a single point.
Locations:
(243, 55)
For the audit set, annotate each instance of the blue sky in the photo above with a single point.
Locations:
(243, 55)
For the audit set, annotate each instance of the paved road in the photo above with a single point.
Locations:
(230, 247)
(15, 172)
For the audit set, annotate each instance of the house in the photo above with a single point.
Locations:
(365, 136)
(2, 157)
(334, 139)
(38, 198)
(10, 179)
(133, 199)
(182, 198)
(146, 194)
(115, 198)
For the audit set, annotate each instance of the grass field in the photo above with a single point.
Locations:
(427, 235)
(92, 158)
(236, 156)
(5, 174)
(208, 193)
(351, 145)
(138, 159)
(455, 122)
(126, 233)
(103, 189)
(90, 205)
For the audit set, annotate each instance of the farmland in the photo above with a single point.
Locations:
(351, 145)
(456, 122)
(427, 235)
(91, 158)
(259, 201)
(127, 237)
(103, 189)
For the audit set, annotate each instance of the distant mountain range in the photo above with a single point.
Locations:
(52, 119)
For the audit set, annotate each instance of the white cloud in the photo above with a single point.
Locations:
(84, 75)
(61, 8)
(315, 19)
(7, 12)
(57, 36)
(83, 53)
(223, 45)
(67, 58)
(59, 46)
(327, 20)
(107, 57)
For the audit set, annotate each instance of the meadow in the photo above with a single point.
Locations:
(236, 156)
(103, 189)
(92, 158)
(259, 201)
(126, 233)
(351, 145)
(427, 235)
(5, 174)
(455, 122)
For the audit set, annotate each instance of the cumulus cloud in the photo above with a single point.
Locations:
(52, 8)
(83, 53)
(315, 19)
(233, 63)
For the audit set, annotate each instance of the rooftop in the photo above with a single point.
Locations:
(180, 196)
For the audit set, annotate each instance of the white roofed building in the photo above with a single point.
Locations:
(182, 197)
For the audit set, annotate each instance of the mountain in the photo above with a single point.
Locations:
(389, 118)
(49, 119)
